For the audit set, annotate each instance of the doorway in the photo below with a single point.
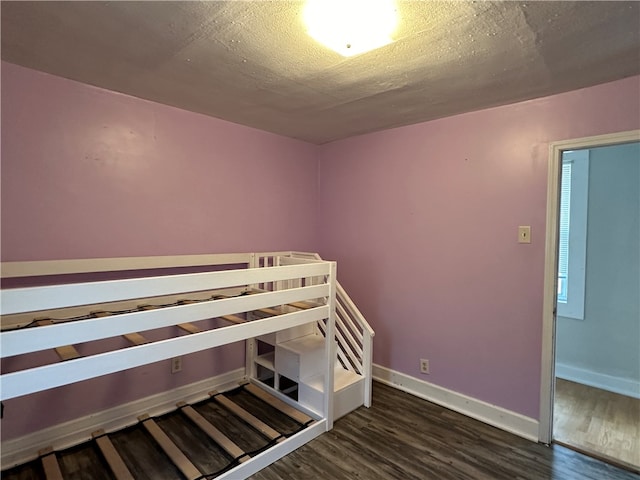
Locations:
(584, 343)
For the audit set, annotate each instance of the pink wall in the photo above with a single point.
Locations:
(422, 220)
(91, 173)
(424, 228)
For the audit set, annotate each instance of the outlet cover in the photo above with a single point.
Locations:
(176, 364)
(524, 234)
(424, 366)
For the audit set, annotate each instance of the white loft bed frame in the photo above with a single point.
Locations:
(312, 281)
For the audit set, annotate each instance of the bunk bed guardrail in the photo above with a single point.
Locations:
(42, 299)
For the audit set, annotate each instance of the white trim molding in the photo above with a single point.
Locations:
(623, 386)
(64, 435)
(547, 372)
(485, 412)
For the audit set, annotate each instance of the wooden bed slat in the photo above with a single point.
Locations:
(240, 412)
(233, 319)
(111, 455)
(285, 408)
(269, 311)
(189, 328)
(301, 305)
(50, 464)
(213, 433)
(42, 322)
(136, 338)
(187, 301)
(111, 308)
(68, 352)
(179, 459)
(148, 307)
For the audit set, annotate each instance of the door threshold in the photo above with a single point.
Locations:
(616, 462)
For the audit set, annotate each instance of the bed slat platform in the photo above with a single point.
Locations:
(285, 408)
(216, 435)
(135, 338)
(187, 461)
(213, 308)
(233, 318)
(111, 455)
(240, 412)
(179, 459)
(189, 328)
(50, 464)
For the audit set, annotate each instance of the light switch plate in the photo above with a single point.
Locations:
(524, 234)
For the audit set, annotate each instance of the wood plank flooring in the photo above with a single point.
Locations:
(184, 444)
(399, 437)
(403, 437)
(602, 423)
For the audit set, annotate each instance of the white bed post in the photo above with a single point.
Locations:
(367, 363)
(330, 347)
(250, 344)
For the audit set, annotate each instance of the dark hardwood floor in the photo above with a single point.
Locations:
(404, 437)
(399, 437)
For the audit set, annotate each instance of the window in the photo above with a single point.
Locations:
(563, 248)
(572, 248)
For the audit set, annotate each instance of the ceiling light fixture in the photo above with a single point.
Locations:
(351, 27)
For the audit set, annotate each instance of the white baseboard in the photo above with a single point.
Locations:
(623, 386)
(485, 412)
(64, 435)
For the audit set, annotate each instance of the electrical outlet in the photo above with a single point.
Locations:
(176, 364)
(424, 366)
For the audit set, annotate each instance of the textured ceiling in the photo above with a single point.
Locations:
(252, 62)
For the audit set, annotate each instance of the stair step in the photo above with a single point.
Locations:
(288, 334)
(304, 344)
(178, 458)
(111, 455)
(266, 360)
(301, 357)
(348, 392)
(342, 379)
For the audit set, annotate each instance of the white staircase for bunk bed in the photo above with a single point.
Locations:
(289, 360)
(306, 343)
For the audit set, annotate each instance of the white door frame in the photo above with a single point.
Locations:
(545, 433)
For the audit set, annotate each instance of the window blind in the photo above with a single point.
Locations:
(563, 253)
